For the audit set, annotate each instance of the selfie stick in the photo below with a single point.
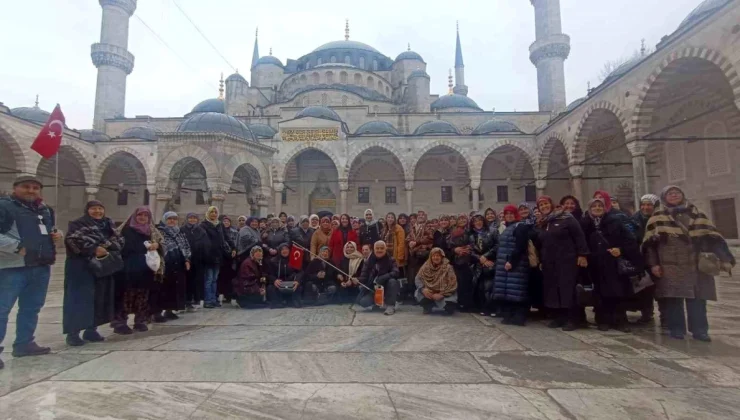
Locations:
(330, 264)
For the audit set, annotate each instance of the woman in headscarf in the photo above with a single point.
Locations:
(419, 240)
(483, 246)
(620, 215)
(301, 235)
(89, 301)
(643, 300)
(321, 236)
(274, 237)
(526, 214)
(648, 204)
(511, 286)
(215, 250)
(196, 276)
(351, 264)
(241, 221)
(436, 283)
(536, 294)
(339, 239)
(442, 235)
(248, 238)
(563, 249)
(314, 221)
(136, 278)
(459, 244)
(571, 205)
(290, 224)
(380, 270)
(609, 240)
(250, 285)
(491, 219)
(395, 239)
(171, 296)
(284, 282)
(356, 225)
(283, 216)
(227, 272)
(370, 229)
(320, 278)
(674, 238)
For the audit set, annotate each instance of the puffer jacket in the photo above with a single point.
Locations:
(512, 285)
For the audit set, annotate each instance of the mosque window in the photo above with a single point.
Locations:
(343, 76)
(370, 82)
(675, 161)
(329, 78)
(358, 79)
(530, 193)
(380, 86)
(347, 59)
(363, 195)
(375, 65)
(318, 61)
(502, 193)
(122, 198)
(146, 197)
(387, 91)
(284, 196)
(200, 199)
(315, 78)
(390, 195)
(362, 62)
(446, 194)
(333, 58)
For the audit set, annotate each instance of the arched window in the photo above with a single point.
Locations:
(333, 58)
(347, 59)
(370, 82)
(387, 91)
(358, 79)
(362, 61)
(375, 65)
(343, 77)
(329, 78)
(304, 79)
(318, 61)
(315, 78)
(380, 86)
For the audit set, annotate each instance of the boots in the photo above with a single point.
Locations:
(30, 349)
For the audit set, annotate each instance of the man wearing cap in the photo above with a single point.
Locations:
(26, 254)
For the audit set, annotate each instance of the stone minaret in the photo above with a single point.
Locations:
(460, 87)
(256, 50)
(548, 53)
(113, 60)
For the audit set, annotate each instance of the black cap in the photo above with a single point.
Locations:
(27, 178)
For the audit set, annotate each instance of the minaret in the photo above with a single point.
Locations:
(113, 60)
(548, 53)
(460, 87)
(256, 51)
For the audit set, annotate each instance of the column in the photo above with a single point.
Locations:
(576, 181)
(278, 187)
(343, 189)
(161, 199)
(90, 193)
(639, 175)
(540, 184)
(409, 187)
(475, 187)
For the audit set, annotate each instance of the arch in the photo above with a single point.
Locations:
(543, 157)
(292, 154)
(441, 143)
(188, 151)
(106, 159)
(10, 135)
(577, 152)
(80, 156)
(246, 158)
(528, 152)
(652, 89)
(353, 154)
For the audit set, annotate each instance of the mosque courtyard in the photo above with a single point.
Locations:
(334, 363)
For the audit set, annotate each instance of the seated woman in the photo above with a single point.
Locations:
(250, 283)
(320, 279)
(436, 284)
(284, 282)
(380, 270)
(351, 264)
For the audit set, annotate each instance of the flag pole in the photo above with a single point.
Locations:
(56, 188)
(329, 264)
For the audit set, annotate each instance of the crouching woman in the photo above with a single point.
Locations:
(250, 282)
(436, 283)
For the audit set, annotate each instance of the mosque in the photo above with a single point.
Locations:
(346, 127)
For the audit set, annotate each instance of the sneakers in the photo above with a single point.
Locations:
(74, 340)
(390, 310)
(30, 349)
(92, 336)
(209, 305)
(170, 315)
(189, 308)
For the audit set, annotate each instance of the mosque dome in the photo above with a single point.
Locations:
(375, 128)
(93, 136)
(418, 73)
(431, 128)
(214, 122)
(704, 9)
(624, 68)
(34, 114)
(236, 77)
(262, 131)
(143, 133)
(496, 126)
(409, 55)
(454, 101)
(268, 59)
(210, 105)
(575, 103)
(318, 111)
(346, 45)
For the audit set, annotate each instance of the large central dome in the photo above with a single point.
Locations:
(346, 45)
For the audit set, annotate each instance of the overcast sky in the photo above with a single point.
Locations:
(45, 47)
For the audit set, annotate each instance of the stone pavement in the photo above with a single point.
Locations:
(334, 363)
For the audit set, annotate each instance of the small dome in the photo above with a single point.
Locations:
(409, 55)
(624, 68)
(431, 128)
(346, 45)
(93, 136)
(704, 9)
(496, 126)
(419, 73)
(319, 111)
(454, 101)
(34, 114)
(213, 122)
(236, 77)
(376, 128)
(262, 131)
(143, 133)
(210, 105)
(575, 103)
(268, 59)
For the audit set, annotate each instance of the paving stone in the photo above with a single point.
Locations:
(695, 372)
(24, 371)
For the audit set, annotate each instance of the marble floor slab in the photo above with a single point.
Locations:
(325, 315)
(721, 345)
(342, 339)
(157, 335)
(564, 369)
(678, 373)
(401, 367)
(297, 402)
(538, 337)
(410, 315)
(98, 400)
(650, 404)
(629, 346)
(471, 402)
(24, 371)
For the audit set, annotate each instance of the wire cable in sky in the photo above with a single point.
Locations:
(203, 35)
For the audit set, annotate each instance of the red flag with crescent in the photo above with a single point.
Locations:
(296, 258)
(49, 140)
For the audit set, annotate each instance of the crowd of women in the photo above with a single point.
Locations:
(553, 256)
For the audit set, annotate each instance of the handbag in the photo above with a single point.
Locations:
(641, 282)
(107, 265)
(585, 295)
(625, 268)
(709, 263)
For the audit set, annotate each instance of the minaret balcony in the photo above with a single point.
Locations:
(553, 46)
(112, 55)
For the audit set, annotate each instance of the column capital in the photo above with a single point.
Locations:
(540, 184)
(408, 185)
(343, 184)
(278, 186)
(163, 196)
(112, 55)
(576, 171)
(128, 6)
(91, 190)
(475, 183)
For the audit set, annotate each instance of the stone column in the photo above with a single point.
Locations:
(475, 187)
(161, 198)
(540, 184)
(217, 200)
(278, 187)
(409, 187)
(343, 189)
(576, 181)
(639, 176)
(90, 193)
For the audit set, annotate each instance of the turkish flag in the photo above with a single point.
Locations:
(296, 258)
(49, 140)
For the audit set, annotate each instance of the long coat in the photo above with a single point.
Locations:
(512, 285)
(561, 243)
(337, 243)
(136, 274)
(396, 241)
(214, 246)
(602, 266)
(248, 280)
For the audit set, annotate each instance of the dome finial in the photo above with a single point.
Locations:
(270, 50)
(221, 87)
(346, 29)
(36, 105)
(409, 47)
(643, 49)
(256, 31)
(450, 84)
(457, 25)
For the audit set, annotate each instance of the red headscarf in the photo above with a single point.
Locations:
(513, 210)
(544, 198)
(605, 196)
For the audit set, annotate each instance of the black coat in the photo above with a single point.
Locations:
(213, 244)
(275, 238)
(602, 266)
(278, 268)
(381, 269)
(369, 234)
(302, 238)
(311, 274)
(136, 274)
(441, 240)
(561, 242)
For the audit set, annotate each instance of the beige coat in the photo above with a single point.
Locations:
(681, 275)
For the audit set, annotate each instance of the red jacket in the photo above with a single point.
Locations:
(336, 244)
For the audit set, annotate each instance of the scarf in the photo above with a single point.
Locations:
(355, 259)
(531, 219)
(371, 222)
(459, 231)
(173, 242)
(174, 229)
(663, 224)
(86, 234)
(143, 228)
(606, 197)
(214, 222)
(438, 278)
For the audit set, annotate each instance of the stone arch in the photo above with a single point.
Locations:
(543, 157)
(81, 158)
(11, 137)
(246, 158)
(528, 152)
(189, 151)
(577, 152)
(105, 160)
(305, 146)
(442, 143)
(353, 154)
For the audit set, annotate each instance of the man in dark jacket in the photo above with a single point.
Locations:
(380, 270)
(301, 235)
(284, 282)
(27, 252)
